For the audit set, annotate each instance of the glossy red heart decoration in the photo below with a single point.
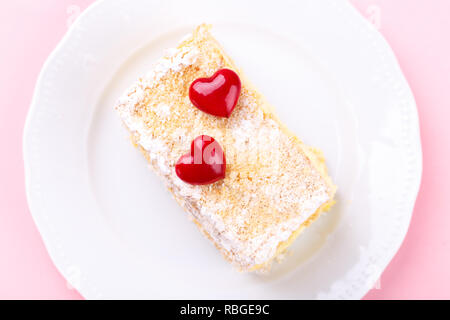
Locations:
(217, 95)
(205, 164)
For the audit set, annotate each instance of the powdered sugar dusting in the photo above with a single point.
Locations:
(175, 60)
(163, 110)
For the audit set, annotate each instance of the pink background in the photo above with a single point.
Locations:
(419, 33)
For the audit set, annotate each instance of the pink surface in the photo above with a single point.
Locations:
(417, 30)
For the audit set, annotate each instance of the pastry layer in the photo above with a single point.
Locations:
(274, 185)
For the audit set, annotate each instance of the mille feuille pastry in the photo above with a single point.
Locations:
(273, 186)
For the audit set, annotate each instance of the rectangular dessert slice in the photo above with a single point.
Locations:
(274, 185)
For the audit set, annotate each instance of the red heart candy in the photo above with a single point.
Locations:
(217, 95)
(205, 164)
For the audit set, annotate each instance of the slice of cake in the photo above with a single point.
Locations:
(274, 185)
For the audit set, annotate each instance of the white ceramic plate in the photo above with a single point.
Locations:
(111, 227)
